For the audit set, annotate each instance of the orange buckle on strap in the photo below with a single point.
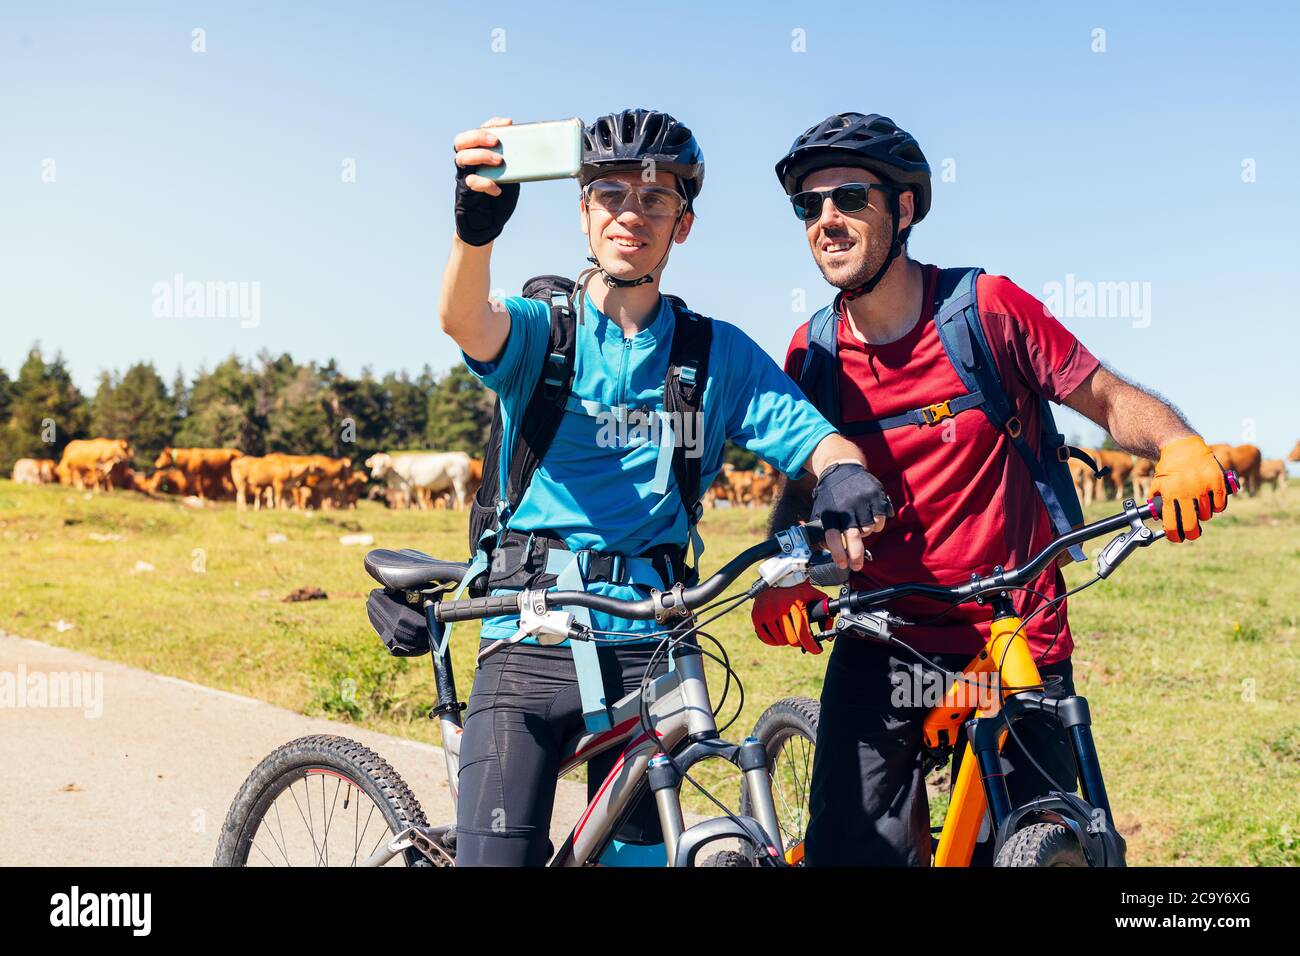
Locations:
(1014, 427)
(933, 414)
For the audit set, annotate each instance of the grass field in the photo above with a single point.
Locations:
(1188, 655)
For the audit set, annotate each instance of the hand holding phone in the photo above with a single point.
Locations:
(482, 206)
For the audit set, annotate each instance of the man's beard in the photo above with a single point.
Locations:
(855, 274)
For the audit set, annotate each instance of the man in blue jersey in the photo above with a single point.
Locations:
(641, 174)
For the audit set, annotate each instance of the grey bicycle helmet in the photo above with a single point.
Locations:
(623, 141)
(872, 142)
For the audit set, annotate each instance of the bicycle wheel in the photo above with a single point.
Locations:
(1041, 844)
(318, 801)
(788, 731)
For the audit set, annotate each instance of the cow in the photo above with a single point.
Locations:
(762, 485)
(34, 471)
(321, 484)
(252, 477)
(1120, 464)
(207, 469)
(1273, 471)
(95, 463)
(1244, 460)
(1085, 482)
(1144, 472)
(434, 471)
(720, 489)
(1295, 453)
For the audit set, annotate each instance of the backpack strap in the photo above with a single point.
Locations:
(688, 373)
(957, 320)
(819, 378)
(546, 406)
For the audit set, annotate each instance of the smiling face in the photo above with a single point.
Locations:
(850, 247)
(631, 244)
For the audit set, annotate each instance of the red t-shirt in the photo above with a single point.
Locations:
(965, 501)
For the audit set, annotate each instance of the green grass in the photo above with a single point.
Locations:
(1187, 655)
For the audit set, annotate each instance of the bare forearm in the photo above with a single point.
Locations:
(1138, 420)
(464, 310)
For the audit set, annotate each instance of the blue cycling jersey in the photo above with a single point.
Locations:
(595, 485)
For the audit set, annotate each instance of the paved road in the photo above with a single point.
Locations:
(147, 781)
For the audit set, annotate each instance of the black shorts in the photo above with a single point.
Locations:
(867, 795)
(524, 706)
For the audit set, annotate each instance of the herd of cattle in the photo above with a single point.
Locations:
(300, 482)
(450, 479)
(1253, 471)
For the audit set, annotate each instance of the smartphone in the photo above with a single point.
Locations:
(536, 151)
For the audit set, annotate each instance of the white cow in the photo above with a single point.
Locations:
(436, 471)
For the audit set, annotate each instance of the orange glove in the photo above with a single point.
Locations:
(1191, 482)
(780, 617)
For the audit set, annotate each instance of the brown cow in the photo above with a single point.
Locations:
(720, 490)
(1244, 460)
(1295, 452)
(1120, 464)
(252, 476)
(207, 469)
(762, 487)
(1273, 471)
(90, 463)
(1144, 472)
(34, 471)
(1085, 482)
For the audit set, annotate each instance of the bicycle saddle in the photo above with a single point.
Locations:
(407, 569)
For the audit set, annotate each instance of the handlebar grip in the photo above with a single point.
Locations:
(825, 573)
(1156, 505)
(471, 609)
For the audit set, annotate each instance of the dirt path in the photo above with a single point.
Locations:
(142, 772)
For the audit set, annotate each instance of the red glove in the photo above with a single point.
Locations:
(1191, 482)
(780, 617)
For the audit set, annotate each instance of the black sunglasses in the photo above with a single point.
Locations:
(849, 197)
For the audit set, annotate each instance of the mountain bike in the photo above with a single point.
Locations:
(335, 786)
(1059, 829)
(326, 800)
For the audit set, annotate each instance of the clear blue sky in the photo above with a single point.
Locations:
(1115, 166)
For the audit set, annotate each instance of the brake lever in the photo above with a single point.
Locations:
(1120, 547)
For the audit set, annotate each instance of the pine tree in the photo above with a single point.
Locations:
(135, 406)
(46, 411)
(460, 413)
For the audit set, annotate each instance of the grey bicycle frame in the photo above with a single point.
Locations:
(681, 716)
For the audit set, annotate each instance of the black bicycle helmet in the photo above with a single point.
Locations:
(872, 142)
(623, 141)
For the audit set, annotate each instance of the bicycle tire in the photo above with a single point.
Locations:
(1041, 844)
(793, 718)
(300, 760)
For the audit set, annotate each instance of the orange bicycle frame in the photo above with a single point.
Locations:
(967, 807)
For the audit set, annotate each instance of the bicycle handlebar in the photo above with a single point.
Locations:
(824, 573)
(1152, 508)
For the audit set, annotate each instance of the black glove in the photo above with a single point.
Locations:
(480, 217)
(849, 496)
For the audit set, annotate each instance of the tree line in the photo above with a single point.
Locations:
(271, 403)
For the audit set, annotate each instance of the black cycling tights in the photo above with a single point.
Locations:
(523, 707)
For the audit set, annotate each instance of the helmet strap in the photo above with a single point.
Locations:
(895, 247)
(614, 282)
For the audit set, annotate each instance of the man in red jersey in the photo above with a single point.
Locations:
(963, 487)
